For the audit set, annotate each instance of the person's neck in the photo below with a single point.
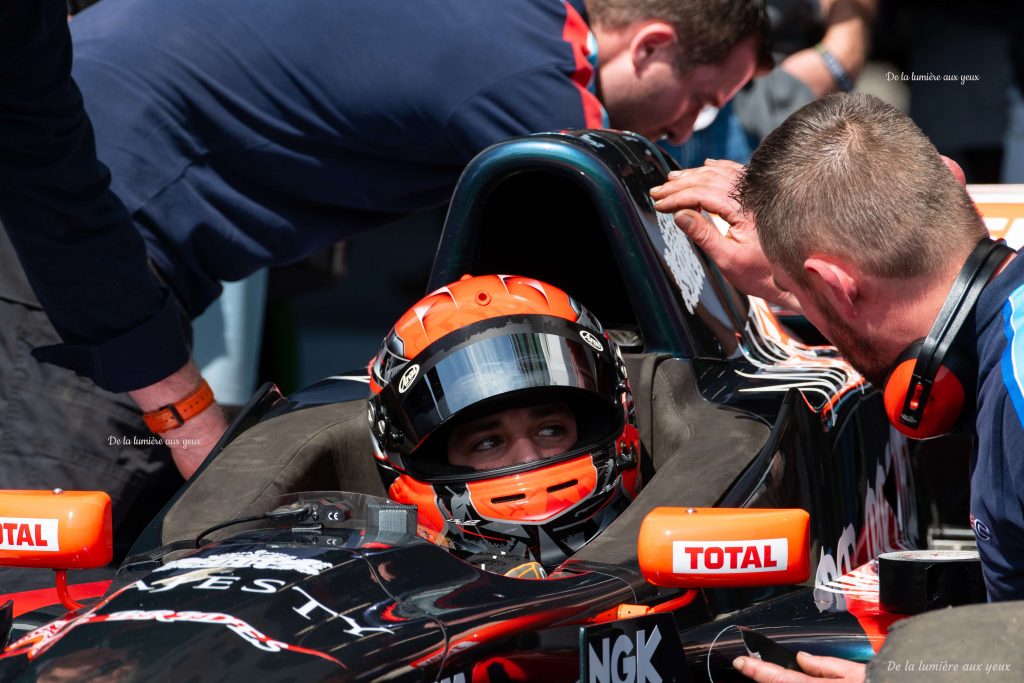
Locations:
(897, 321)
(899, 311)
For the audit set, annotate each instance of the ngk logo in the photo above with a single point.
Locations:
(730, 557)
(22, 533)
(620, 662)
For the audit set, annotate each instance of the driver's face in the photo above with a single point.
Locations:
(513, 437)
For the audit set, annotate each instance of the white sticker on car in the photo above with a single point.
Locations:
(730, 557)
(256, 559)
(682, 260)
(26, 533)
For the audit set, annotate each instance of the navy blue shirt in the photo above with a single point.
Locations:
(246, 133)
(85, 261)
(997, 470)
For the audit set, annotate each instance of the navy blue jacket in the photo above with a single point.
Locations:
(997, 470)
(246, 133)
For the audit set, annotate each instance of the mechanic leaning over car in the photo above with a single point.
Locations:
(848, 211)
(502, 411)
(242, 133)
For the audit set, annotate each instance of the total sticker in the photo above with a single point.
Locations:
(23, 533)
(730, 557)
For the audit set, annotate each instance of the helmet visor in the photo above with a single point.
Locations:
(485, 367)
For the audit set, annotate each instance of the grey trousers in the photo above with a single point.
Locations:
(61, 430)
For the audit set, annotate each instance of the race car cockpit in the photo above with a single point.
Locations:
(572, 210)
(731, 411)
(720, 389)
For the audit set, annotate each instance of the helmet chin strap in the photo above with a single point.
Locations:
(627, 458)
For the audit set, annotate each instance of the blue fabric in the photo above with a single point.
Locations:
(997, 469)
(247, 133)
(723, 139)
(244, 133)
(85, 262)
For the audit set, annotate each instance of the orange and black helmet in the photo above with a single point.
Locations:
(488, 344)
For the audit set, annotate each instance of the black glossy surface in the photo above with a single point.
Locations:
(603, 243)
(338, 605)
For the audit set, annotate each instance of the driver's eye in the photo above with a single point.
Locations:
(487, 443)
(551, 430)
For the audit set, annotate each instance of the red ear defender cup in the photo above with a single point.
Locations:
(926, 390)
(943, 404)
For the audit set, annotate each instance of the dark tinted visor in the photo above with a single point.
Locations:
(501, 365)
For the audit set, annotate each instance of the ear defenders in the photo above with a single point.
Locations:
(926, 390)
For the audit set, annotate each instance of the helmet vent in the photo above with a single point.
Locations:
(508, 499)
(563, 485)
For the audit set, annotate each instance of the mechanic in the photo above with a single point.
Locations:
(848, 211)
(247, 133)
(501, 409)
(804, 72)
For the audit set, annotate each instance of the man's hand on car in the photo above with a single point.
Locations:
(817, 668)
(737, 252)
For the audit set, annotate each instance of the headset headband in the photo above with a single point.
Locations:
(969, 283)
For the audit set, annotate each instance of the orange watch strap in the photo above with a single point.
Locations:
(174, 415)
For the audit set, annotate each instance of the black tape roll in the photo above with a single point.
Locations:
(915, 581)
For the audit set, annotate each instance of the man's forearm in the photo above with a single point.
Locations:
(192, 441)
(81, 254)
(847, 38)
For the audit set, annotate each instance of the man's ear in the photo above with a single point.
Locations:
(837, 282)
(653, 41)
(955, 169)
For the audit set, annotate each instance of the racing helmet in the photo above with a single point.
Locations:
(488, 344)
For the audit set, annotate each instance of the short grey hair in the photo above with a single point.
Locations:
(849, 175)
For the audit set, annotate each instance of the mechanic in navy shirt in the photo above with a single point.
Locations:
(247, 133)
(870, 254)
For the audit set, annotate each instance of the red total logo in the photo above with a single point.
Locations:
(23, 533)
(730, 557)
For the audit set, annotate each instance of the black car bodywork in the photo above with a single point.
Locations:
(732, 413)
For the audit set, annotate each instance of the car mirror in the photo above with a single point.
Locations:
(724, 548)
(55, 529)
